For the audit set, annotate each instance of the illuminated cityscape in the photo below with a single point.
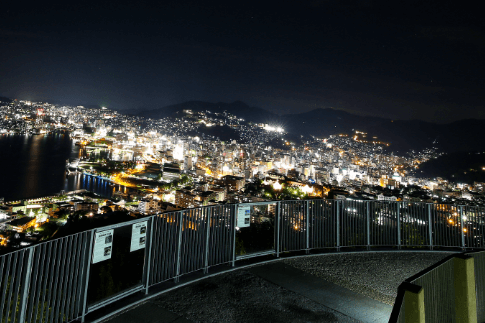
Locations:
(171, 164)
(192, 161)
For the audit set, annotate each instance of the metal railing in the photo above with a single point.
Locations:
(479, 264)
(439, 296)
(59, 281)
(46, 282)
(442, 288)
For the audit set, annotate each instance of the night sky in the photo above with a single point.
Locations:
(397, 59)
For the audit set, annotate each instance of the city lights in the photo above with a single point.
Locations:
(274, 128)
(277, 186)
(178, 152)
(307, 190)
(173, 160)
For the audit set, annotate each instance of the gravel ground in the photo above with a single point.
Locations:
(241, 296)
(376, 275)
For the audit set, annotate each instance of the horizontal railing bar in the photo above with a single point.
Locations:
(122, 224)
(121, 295)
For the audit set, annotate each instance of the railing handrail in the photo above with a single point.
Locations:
(246, 203)
(301, 225)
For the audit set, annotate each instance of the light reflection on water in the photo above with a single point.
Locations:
(34, 166)
(94, 184)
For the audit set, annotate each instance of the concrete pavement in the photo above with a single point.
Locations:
(331, 303)
(340, 299)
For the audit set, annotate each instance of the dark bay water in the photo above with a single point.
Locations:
(34, 166)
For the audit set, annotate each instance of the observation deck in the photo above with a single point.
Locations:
(94, 274)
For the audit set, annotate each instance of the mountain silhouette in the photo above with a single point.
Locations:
(238, 108)
(402, 135)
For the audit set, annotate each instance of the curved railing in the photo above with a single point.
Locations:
(67, 278)
(451, 290)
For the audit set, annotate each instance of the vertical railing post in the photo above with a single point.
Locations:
(430, 228)
(307, 227)
(87, 263)
(277, 225)
(368, 224)
(26, 285)
(462, 228)
(207, 234)
(465, 289)
(413, 303)
(234, 209)
(148, 249)
(398, 225)
(337, 208)
(179, 246)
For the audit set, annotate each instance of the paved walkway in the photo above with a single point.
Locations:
(149, 312)
(326, 301)
(340, 299)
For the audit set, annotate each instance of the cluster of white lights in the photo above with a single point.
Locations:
(275, 129)
(307, 189)
(178, 152)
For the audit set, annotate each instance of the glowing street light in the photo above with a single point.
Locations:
(306, 189)
(277, 186)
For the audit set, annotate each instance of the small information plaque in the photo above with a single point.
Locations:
(138, 236)
(243, 216)
(103, 244)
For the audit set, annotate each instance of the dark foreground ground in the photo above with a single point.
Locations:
(350, 287)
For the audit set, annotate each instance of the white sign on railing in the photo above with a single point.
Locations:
(243, 216)
(138, 236)
(103, 246)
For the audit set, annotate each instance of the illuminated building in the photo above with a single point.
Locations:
(20, 225)
(233, 183)
(184, 198)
